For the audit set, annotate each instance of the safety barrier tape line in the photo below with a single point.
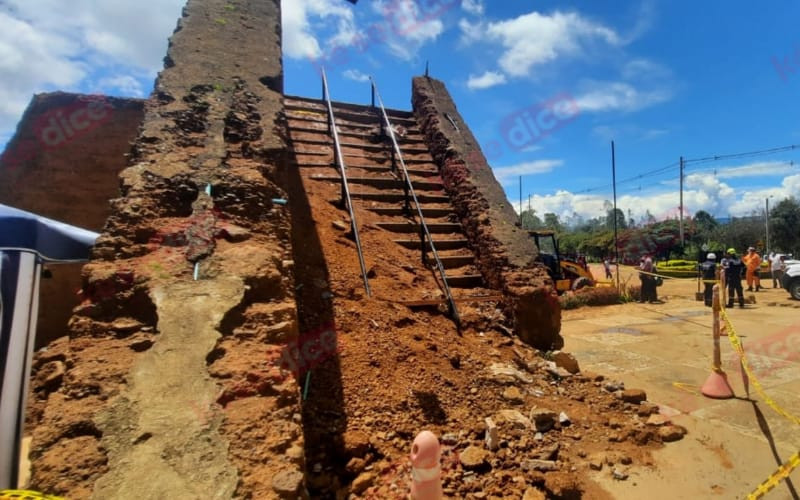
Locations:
(671, 277)
(737, 346)
(26, 495)
(774, 480)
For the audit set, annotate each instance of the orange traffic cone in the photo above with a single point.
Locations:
(716, 385)
(426, 471)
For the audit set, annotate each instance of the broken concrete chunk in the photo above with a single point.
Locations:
(492, 437)
(505, 374)
(671, 433)
(514, 417)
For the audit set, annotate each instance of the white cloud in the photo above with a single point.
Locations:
(122, 84)
(510, 173)
(48, 45)
(534, 39)
(621, 96)
(473, 6)
(471, 32)
(355, 75)
(486, 80)
(645, 70)
(299, 37)
(407, 27)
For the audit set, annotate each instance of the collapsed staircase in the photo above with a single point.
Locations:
(384, 213)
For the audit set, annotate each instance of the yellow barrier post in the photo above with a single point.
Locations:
(716, 385)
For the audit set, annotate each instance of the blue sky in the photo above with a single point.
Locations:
(662, 79)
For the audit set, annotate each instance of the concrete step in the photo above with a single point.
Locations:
(380, 182)
(454, 261)
(465, 280)
(397, 197)
(441, 244)
(433, 213)
(412, 227)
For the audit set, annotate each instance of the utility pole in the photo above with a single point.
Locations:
(520, 201)
(614, 183)
(529, 203)
(766, 223)
(681, 205)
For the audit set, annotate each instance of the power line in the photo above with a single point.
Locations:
(747, 154)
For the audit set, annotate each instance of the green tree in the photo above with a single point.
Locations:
(551, 222)
(784, 221)
(621, 222)
(530, 220)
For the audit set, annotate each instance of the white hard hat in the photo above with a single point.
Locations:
(712, 256)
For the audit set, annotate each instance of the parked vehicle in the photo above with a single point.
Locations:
(791, 279)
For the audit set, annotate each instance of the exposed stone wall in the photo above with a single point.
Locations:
(164, 385)
(64, 163)
(505, 253)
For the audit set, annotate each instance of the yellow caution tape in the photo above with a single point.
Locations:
(26, 495)
(774, 480)
(737, 346)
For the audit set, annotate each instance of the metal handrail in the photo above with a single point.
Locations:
(409, 190)
(339, 159)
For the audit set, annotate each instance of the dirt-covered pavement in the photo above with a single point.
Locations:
(666, 349)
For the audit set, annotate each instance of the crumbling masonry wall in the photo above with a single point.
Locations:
(164, 386)
(505, 254)
(55, 169)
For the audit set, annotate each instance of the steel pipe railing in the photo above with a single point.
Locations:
(410, 194)
(339, 159)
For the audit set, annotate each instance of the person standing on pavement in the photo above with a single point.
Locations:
(777, 265)
(708, 270)
(648, 280)
(753, 262)
(733, 268)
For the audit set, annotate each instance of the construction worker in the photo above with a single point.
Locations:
(734, 268)
(708, 270)
(753, 262)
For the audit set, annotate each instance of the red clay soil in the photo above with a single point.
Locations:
(399, 371)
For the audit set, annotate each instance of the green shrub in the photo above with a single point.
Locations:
(590, 296)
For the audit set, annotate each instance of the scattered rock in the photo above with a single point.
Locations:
(341, 226)
(657, 419)
(619, 474)
(492, 437)
(548, 452)
(514, 417)
(51, 375)
(566, 361)
(513, 395)
(450, 439)
(542, 418)
(356, 443)
(671, 433)
(141, 345)
(634, 396)
(563, 419)
(295, 454)
(355, 466)
(126, 325)
(596, 462)
(534, 494)
(362, 482)
(612, 386)
(593, 377)
(287, 483)
(473, 458)
(646, 409)
(455, 361)
(372, 273)
(505, 374)
(540, 465)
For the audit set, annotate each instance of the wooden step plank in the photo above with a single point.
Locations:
(455, 261)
